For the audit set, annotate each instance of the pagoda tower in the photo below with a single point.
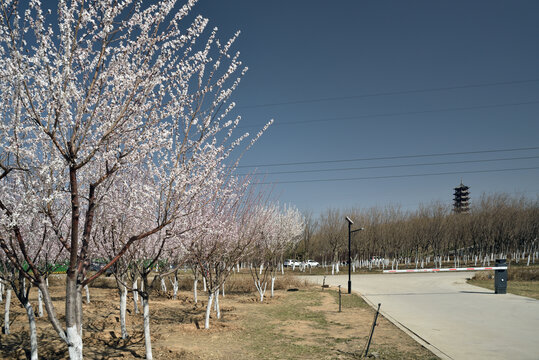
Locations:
(461, 201)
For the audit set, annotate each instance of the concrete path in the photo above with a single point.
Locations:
(449, 317)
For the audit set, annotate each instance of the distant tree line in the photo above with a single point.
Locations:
(497, 225)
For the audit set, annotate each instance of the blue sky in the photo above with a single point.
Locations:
(315, 60)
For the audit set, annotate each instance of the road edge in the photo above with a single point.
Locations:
(433, 349)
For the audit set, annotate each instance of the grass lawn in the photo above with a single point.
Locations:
(522, 280)
(517, 287)
(306, 324)
(300, 324)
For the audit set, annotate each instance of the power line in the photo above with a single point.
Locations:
(419, 112)
(388, 93)
(390, 157)
(398, 176)
(391, 166)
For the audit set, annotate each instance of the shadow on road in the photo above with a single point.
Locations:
(432, 293)
(478, 292)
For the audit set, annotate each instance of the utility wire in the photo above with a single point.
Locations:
(419, 112)
(391, 166)
(397, 176)
(388, 93)
(390, 157)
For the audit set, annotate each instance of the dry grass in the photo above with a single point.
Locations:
(238, 283)
(521, 280)
(514, 273)
(302, 324)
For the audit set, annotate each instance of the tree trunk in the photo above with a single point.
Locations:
(195, 283)
(147, 336)
(208, 309)
(51, 313)
(75, 343)
(73, 317)
(123, 306)
(87, 289)
(175, 287)
(6, 311)
(33, 331)
(217, 309)
(262, 294)
(204, 281)
(39, 303)
(135, 295)
(272, 285)
(163, 285)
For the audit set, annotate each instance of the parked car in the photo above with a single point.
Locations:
(96, 266)
(291, 262)
(312, 263)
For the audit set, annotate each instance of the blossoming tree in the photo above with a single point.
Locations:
(278, 230)
(88, 94)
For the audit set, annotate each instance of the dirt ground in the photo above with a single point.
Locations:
(303, 324)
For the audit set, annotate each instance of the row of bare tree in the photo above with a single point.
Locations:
(496, 225)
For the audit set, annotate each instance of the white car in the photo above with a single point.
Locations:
(291, 262)
(311, 263)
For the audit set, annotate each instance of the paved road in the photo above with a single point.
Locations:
(453, 319)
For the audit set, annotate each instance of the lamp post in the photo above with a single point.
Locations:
(350, 231)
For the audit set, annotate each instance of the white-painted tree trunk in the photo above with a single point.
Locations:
(75, 343)
(135, 295)
(175, 288)
(337, 268)
(261, 290)
(33, 331)
(208, 309)
(195, 283)
(87, 289)
(223, 287)
(262, 293)
(6, 311)
(204, 283)
(163, 285)
(147, 336)
(123, 307)
(282, 269)
(272, 285)
(332, 269)
(39, 303)
(261, 268)
(217, 309)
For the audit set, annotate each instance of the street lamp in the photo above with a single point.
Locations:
(350, 231)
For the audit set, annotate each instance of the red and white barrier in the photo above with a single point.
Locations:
(446, 269)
